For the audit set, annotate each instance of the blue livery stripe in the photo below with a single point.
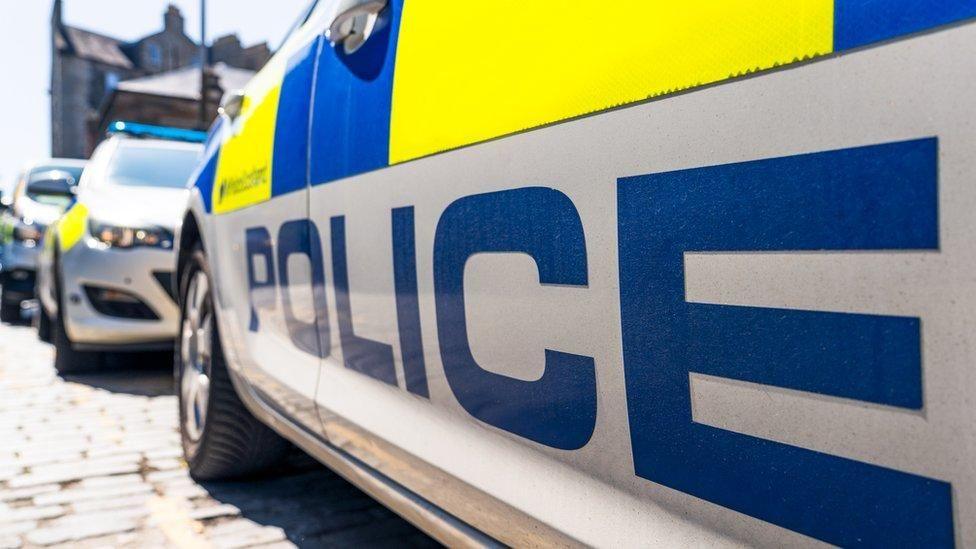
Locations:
(861, 22)
(353, 97)
(203, 178)
(289, 168)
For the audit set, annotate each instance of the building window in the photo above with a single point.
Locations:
(155, 55)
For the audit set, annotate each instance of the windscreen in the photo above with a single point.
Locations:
(44, 172)
(53, 186)
(58, 200)
(144, 166)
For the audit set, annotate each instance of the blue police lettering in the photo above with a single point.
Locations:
(871, 198)
(407, 304)
(881, 197)
(262, 290)
(364, 355)
(558, 410)
(302, 237)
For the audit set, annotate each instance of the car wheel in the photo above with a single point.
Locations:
(43, 324)
(68, 360)
(221, 438)
(9, 311)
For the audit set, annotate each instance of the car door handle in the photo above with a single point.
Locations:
(355, 23)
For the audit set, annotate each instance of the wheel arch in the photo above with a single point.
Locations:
(190, 236)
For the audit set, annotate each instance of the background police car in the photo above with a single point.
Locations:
(734, 315)
(39, 197)
(107, 264)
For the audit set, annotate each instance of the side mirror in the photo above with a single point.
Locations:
(232, 103)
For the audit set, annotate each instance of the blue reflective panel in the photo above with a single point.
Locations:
(860, 22)
(206, 172)
(289, 168)
(353, 98)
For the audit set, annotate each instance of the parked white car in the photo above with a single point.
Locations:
(106, 276)
(40, 196)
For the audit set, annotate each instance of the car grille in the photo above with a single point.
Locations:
(119, 304)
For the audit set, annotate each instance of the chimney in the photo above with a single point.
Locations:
(173, 19)
(57, 14)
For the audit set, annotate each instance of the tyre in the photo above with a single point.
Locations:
(9, 311)
(221, 439)
(43, 324)
(68, 360)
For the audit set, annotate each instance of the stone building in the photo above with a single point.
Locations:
(170, 98)
(88, 70)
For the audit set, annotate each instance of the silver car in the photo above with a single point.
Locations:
(41, 195)
(105, 282)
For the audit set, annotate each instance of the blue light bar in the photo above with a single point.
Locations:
(156, 132)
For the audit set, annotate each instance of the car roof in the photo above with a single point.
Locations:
(159, 144)
(54, 163)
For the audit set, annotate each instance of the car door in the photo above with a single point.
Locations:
(266, 275)
(649, 317)
(382, 394)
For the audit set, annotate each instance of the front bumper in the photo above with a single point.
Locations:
(88, 269)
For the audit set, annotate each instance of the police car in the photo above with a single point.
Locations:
(40, 196)
(624, 274)
(106, 272)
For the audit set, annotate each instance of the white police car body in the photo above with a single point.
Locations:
(443, 263)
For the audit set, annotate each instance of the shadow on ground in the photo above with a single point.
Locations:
(317, 508)
(143, 374)
(311, 504)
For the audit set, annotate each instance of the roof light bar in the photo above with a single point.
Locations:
(135, 129)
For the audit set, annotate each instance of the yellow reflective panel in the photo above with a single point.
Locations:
(71, 226)
(471, 71)
(244, 168)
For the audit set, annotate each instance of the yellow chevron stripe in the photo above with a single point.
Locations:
(471, 71)
(244, 168)
(71, 226)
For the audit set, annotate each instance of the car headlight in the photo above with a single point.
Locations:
(131, 237)
(28, 233)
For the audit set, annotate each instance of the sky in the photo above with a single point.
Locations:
(25, 53)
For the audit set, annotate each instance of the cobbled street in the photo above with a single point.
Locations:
(95, 461)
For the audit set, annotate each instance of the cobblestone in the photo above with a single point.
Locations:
(31, 513)
(26, 493)
(17, 528)
(95, 461)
